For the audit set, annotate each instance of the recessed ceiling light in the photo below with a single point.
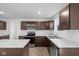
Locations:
(39, 12)
(1, 12)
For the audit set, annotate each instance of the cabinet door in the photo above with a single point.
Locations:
(64, 22)
(41, 41)
(74, 16)
(2, 25)
(42, 25)
(23, 25)
(49, 25)
(37, 41)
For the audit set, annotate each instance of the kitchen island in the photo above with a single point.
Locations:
(14, 47)
(63, 47)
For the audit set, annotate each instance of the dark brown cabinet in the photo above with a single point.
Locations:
(23, 25)
(27, 25)
(69, 17)
(4, 37)
(46, 25)
(42, 25)
(74, 16)
(2, 25)
(68, 52)
(64, 19)
(42, 41)
(21, 37)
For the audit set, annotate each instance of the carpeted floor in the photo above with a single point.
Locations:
(38, 51)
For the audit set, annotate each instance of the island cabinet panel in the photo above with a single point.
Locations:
(26, 50)
(41, 41)
(15, 51)
(11, 52)
(3, 52)
(69, 52)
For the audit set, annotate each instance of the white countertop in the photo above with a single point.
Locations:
(64, 43)
(13, 43)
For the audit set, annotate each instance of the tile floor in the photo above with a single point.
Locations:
(38, 51)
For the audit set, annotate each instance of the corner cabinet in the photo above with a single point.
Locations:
(69, 17)
(2, 25)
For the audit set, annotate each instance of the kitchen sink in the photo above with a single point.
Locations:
(54, 37)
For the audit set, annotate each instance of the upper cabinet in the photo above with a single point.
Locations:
(69, 17)
(42, 25)
(74, 16)
(64, 19)
(25, 25)
(2, 25)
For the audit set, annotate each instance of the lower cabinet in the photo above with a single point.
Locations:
(9, 52)
(55, 51)
(21, 37)
(4, 37)
(42, 41)
(69, 52)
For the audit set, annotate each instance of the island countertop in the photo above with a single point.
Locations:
(64, 43)
(13, 43)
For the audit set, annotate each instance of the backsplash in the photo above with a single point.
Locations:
(69, 34)
(73, 35)
(38, 32)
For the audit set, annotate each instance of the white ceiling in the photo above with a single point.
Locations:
(30, 10)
